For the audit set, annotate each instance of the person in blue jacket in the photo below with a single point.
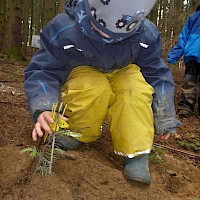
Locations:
(103, 59)
(189, 46)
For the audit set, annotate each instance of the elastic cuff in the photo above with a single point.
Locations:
(36, 115)
(170, 130)
(169, 60)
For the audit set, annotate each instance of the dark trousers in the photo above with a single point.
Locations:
(190, 88)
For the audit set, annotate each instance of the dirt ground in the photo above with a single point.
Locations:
(91, 172)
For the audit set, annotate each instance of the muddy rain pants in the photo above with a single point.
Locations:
(190, 88)
(123, 96)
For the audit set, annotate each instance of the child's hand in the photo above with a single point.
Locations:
(165, 136)
(43, 124)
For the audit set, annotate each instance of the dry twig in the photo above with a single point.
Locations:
(176, 150)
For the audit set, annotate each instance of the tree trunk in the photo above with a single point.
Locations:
(49, 11)
(2, 22)
(170, 20)
(13, 40)
(26, 18)
(37, 16)
(153, 16)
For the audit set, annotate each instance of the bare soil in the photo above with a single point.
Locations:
(92, 172)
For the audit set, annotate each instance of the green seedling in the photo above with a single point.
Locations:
(48, 155)
(33, 152)
(51, 149)
(189, 145)
(155, 155)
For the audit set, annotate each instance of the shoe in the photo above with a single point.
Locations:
(67, 142)
(137, 169)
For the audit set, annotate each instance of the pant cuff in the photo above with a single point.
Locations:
(134, 154)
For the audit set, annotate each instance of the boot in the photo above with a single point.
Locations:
(66, 142)
(137, 169)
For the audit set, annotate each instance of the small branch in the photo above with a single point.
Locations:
(12, 103)
(96, 187)
(52, 152)
(115, 162)
(69, 156)
(8, 81)
(176, 150)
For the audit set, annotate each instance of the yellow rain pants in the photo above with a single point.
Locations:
(123, 96)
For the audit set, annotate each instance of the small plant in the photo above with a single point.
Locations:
(46, 158)
(49, 154)
(189, 142)
(155, 155)
(189, 145)
(33, 151)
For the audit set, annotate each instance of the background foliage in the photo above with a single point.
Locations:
(21, 19)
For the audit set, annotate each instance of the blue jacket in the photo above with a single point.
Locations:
(188, 42)
(65, 46)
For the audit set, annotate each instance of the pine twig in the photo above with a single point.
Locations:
(96, 187)
(52, 152)
(37, 165)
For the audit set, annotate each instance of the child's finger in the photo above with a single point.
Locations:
(34, 135)
(47, 117)
(64, 118)
(38, 129)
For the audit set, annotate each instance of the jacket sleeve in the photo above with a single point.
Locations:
(45, 72)
(178, 50)
(159, 76)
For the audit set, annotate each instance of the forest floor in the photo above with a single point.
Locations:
(92, 172)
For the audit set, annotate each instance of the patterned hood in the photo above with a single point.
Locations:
(118, 19)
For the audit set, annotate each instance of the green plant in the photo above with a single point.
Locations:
(45, 158)
(51, 149)
(49, 154)
(155, 155)
(189, 145)
(33, 151)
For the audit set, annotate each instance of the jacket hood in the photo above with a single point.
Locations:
(116, 21)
